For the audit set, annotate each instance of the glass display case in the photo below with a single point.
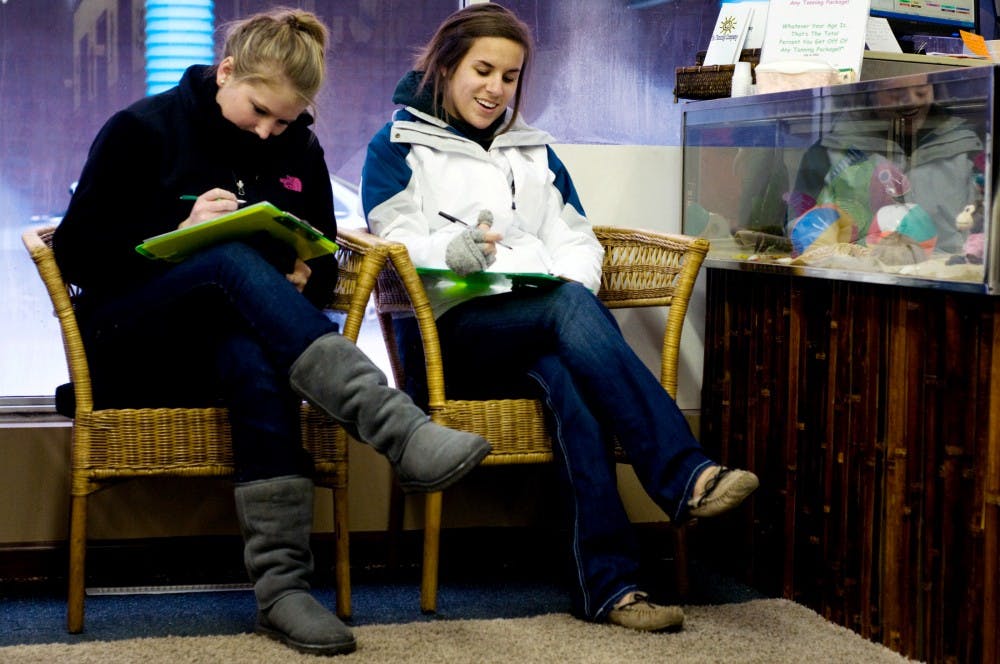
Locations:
(887, 181)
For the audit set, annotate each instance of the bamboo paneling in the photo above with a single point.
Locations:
(871, 414)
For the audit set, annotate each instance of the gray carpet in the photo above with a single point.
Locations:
(771, 631)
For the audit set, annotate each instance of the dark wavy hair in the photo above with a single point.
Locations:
(453, 39)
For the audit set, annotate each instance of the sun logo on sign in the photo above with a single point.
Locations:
(728, 25)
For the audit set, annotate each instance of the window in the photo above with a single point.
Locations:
(66, 66)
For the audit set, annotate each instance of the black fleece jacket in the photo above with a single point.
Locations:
(174, 143)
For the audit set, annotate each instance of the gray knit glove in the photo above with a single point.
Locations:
(466, 253)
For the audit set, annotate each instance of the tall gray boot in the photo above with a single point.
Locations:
(336, 377)
(275, 517)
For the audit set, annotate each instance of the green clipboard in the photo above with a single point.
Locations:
(177, 245)
(486, 278)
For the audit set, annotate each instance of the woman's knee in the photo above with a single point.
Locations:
(574, 293)
(575, 302)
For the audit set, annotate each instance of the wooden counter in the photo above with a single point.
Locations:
(871, 414)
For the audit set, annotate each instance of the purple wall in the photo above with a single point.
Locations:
(604, 75)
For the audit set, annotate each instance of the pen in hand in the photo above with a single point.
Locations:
(459, 221)
(193, 197)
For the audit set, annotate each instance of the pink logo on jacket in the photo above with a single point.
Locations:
(291, 183)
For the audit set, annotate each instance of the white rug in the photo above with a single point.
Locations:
(771, 631)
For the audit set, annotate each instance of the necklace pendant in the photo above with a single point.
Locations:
(239, 188)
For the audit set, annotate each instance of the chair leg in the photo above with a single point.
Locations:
(397, 512)
(681, 559)
(342, 565)
(77, 556)
(432, 543)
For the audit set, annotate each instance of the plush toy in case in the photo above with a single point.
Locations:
(970, 220)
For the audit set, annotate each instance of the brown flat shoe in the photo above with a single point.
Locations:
(643, 615)
(723, 491)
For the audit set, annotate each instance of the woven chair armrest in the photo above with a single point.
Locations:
(361, 256)
(361, 241)
(645, 268)
(400, 292)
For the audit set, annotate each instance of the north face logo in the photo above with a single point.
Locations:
(291, 183)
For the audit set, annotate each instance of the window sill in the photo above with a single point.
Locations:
(20, 412)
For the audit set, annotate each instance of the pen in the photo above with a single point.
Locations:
(192, 197)
(459, 221)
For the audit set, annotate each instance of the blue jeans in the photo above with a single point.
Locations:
(595, 387)
(221, 328)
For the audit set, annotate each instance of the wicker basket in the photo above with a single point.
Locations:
(713, 81)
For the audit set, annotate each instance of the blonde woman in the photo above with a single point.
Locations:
(238, 323)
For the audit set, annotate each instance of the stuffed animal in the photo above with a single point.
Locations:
(969, 221)
(975, 247)
(966, 219)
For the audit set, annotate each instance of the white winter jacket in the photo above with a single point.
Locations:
(417, 166)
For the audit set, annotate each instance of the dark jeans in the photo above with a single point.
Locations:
(567, 342)
(221, 328)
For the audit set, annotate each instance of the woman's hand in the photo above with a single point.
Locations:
(300, 275)
(484, 222)
(213, 203)
(472, 250)
(490, 238)
(475, 248)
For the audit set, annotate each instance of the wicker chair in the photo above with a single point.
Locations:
(641, 269)
(111, 445)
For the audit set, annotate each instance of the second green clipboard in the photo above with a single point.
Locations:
(486, 278)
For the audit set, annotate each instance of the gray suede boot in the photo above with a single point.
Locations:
(275, 517)
(336, 377)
